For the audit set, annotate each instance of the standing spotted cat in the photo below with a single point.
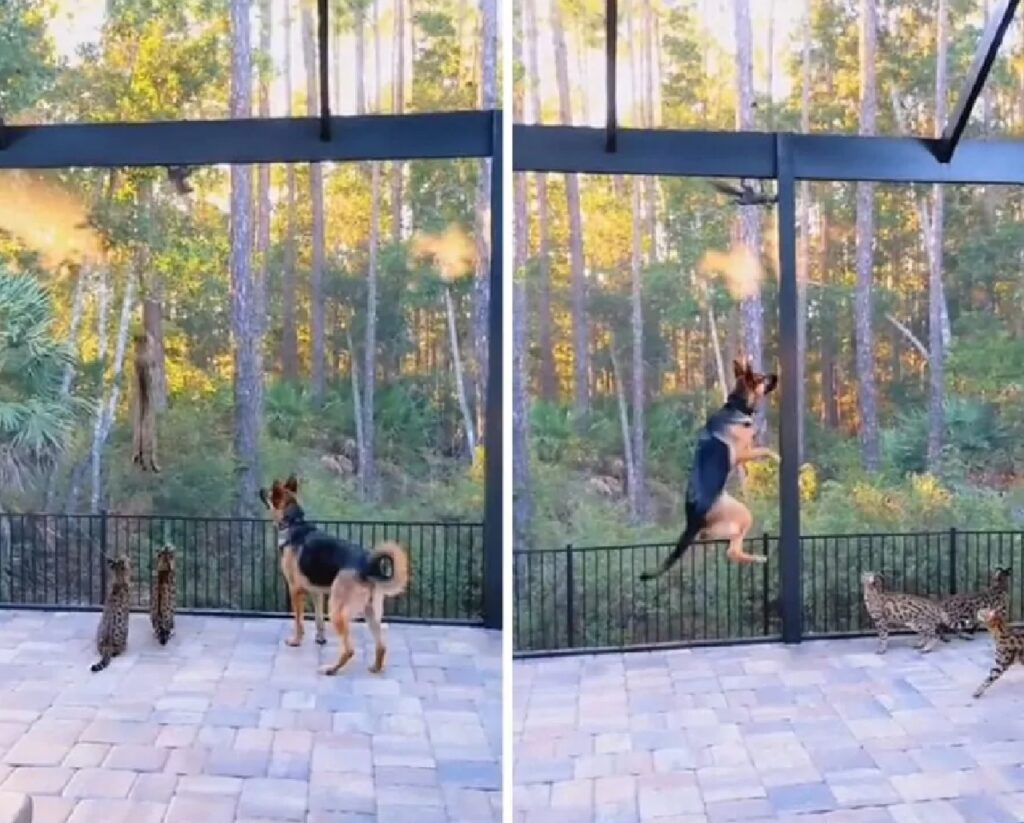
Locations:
(1009, 646)
(892, 609)
(963, 608)
(112, 634)
(163, 596)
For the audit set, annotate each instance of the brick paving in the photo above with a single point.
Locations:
(827, 730)
(226, 723)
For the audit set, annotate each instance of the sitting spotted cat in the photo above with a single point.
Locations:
(1009, 646)
(963, 608)
(892, 609)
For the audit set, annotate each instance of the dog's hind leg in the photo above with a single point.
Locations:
(373, 612)
(298, 612)
(731, 520)
(318, 611)
(342, 625)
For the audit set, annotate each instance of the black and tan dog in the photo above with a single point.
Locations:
(354, 579)
(726, 441)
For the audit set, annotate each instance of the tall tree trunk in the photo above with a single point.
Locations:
(107, 409)
(804, 263)
(245, 326)
(829, 383)
(77, 305)
(153, 292)
(316, 196)
(367, 460)
(522, 497)
(751, 308)
(263, 206)
(627, 444)
(580, 335)
(353, 364)
(866, 395)
(289, 324)
(545, 324)
(638, 489)
(936, 418)
(460, 382)
(398, 94)
(481, 285)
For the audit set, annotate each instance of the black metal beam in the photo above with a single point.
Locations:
(611, 17)
(323, 55)
(790, 567)
(267, 140)
(494, 448)
(984, 57)
(565, 149)
(642, 151)
(3, 135)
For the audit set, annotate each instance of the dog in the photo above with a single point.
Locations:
(353, 578)
(725, 442)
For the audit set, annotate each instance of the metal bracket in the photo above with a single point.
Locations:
(984, 57)
(323, 54)
(611, 18)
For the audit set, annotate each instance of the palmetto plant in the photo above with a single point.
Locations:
(36, 417)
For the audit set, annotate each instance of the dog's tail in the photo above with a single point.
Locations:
(685, 540)
(101, 664)
(388, 569)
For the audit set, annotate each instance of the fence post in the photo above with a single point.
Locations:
(765, 542)
(952, 560)
(103, 555)
(570, 590)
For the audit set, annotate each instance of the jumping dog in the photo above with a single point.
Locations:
(355, 580)
(725, 442)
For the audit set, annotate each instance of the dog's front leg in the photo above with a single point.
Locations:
(298, 611)
(759, 453)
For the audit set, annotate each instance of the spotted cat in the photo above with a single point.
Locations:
(163, 596)
(112, 634)
(891, 609)
(1009, 646)
(963, 608)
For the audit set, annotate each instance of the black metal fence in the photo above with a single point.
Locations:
(591, 598)
(224, 565)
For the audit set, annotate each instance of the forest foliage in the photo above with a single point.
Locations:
(299, 322)
(636, 293)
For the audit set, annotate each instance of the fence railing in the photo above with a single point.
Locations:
(591, 598)
(224, 565)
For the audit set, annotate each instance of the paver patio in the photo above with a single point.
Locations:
(226, 723)
(827, 730)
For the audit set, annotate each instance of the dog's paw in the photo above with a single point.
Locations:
(293, 641)
(321, 640)
(330, 671)
(760, 558)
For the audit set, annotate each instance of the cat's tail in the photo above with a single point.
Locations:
(102, 664)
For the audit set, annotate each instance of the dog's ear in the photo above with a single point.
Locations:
(748, 372)
(771, 381)
(292, 484)
(264, 497)
(739, 369)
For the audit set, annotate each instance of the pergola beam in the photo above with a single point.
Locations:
(984, 57)
(447, 135)
(827, 157)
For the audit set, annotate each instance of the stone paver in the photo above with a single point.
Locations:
(826, 731)
(226, 724)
